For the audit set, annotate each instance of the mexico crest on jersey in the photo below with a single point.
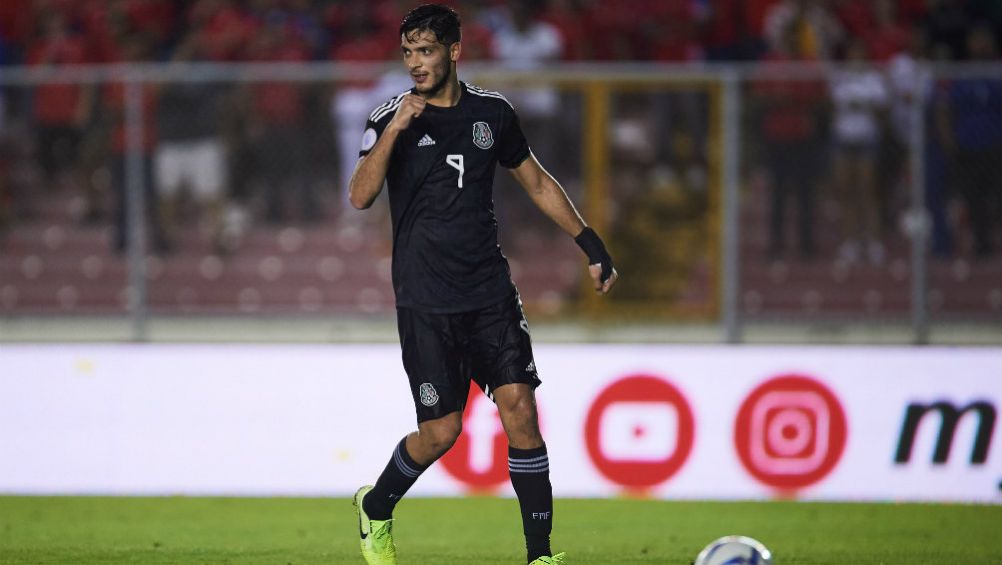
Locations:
(428, 394)
(482, 136)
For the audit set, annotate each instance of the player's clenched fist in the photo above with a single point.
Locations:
(410, 107)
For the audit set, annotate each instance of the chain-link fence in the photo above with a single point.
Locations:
(871, 193)
(731, 195)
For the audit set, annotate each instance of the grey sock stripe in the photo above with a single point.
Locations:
(528, 467)
(544, 469)
(539, 464)
(403, 466)
(529, 460)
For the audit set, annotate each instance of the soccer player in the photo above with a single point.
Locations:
(458, 313)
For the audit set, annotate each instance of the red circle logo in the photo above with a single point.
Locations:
(479, 457)
(790, 432)
(639, 431)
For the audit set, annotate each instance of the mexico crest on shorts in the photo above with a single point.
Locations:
(429, 397)
(482, 136)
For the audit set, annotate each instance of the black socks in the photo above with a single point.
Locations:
(398, 476)
(530, 476)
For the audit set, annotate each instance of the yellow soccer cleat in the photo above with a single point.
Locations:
(557, 559)
(376, 535)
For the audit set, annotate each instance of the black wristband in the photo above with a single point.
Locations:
(592, 245)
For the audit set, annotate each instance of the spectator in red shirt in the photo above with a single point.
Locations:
(296, 19)
(274, 127)
(15, 21)
(134, 48)
(856, 16)
(670, 31)
(888, 36)
(225, 28)
(104, 23)
(753, 15)
(6, 192)
(612, 21)
(790, 123)
(721, 29)
(568, 17)
(60, 110)
(360, 39)
(102, 26)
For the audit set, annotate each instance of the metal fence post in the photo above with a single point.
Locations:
(135, 206)
(731, 287)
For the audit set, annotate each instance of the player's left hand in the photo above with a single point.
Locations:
(596, 276)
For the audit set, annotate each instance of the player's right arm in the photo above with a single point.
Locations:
(370, 170)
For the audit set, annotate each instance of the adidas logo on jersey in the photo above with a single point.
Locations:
(531, 368)
(426, 141)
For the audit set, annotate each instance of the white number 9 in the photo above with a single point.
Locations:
(456, 162)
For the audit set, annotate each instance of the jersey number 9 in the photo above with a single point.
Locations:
(456, 162)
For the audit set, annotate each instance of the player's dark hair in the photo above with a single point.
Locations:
(441, 20)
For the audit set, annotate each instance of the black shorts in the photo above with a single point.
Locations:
(442, 353)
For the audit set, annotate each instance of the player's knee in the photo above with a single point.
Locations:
(440, 436)
(520, 412)
(442, 442)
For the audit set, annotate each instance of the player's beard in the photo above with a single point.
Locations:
(438, 86)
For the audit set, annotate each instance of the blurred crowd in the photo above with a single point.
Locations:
(214, 144)
(97, 31)
(857, 125)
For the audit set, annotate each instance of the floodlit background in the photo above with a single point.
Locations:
(795, 170)
(784, 172)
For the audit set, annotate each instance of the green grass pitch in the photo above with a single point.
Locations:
(484, 531)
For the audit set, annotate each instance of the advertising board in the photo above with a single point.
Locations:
(693, 422)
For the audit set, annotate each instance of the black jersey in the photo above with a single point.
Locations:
(446, 256)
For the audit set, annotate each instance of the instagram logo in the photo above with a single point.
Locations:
(790, 432)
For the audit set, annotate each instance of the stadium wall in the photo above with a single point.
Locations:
(704, 422)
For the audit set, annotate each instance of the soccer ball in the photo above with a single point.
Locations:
(734, 550)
